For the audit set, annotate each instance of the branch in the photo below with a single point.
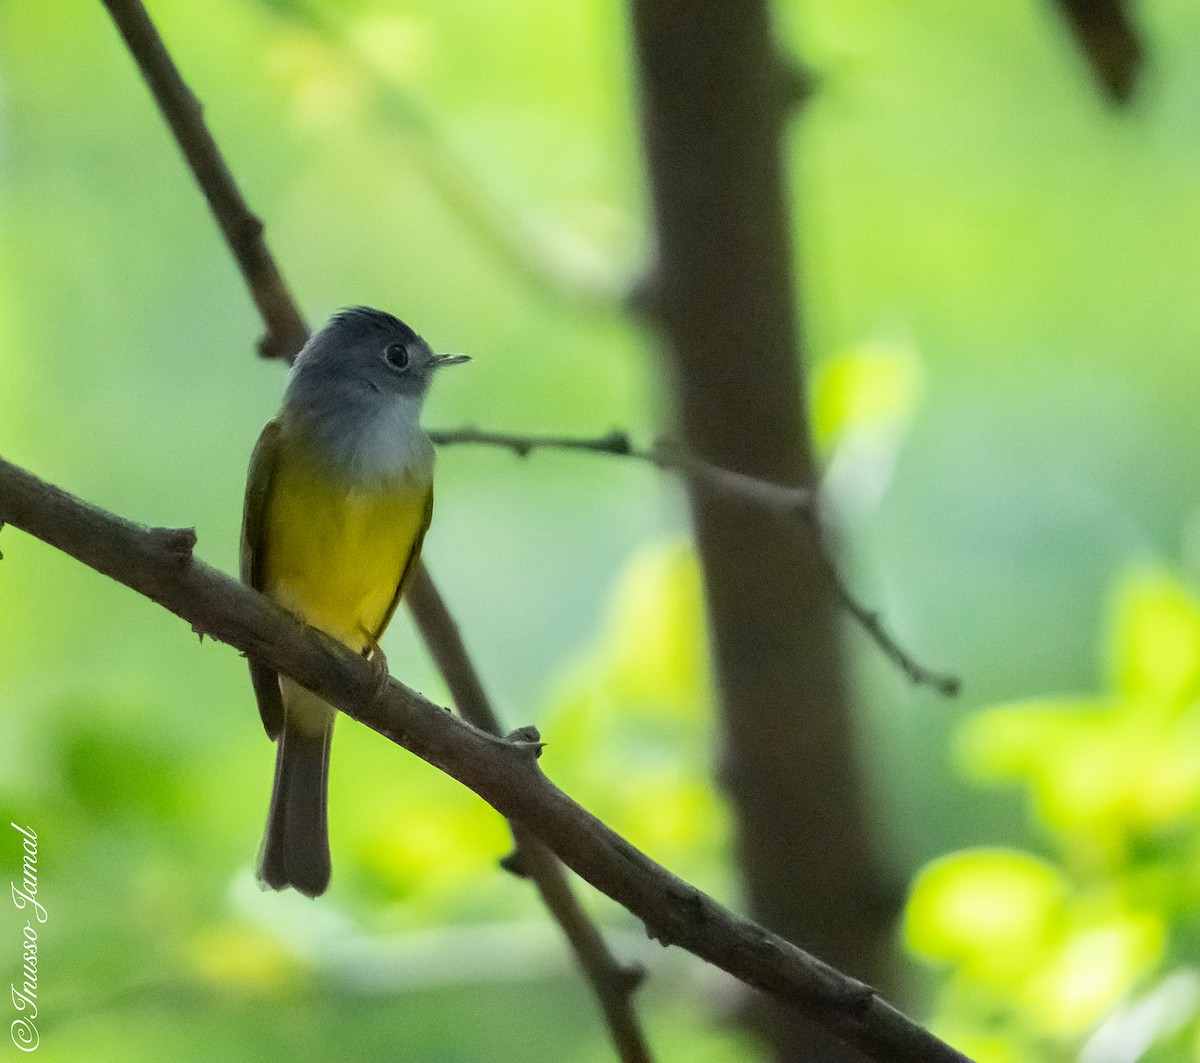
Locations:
(1108, 35)
(286, 332)
(797, 503)
(158, 563)
(611, 983)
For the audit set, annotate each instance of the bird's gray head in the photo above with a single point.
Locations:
(367, 358)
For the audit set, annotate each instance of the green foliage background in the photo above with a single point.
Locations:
(998, 277)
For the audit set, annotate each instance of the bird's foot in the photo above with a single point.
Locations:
(379, 663)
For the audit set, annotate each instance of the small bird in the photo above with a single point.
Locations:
(338, 500)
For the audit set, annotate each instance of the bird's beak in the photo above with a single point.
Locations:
(439, 360)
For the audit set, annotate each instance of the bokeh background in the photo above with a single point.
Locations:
(998, 271)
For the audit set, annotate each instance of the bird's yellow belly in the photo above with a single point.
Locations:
(336, 558)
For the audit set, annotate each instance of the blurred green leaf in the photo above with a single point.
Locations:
(1095, 965)
(1154, 639)
(992, 911)
(121, 764)
(1114, 785)
(1012, 742)
(871, 390)
(636, 706)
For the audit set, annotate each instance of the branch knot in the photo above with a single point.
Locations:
(178, 543)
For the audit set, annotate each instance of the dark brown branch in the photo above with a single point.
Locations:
(243, 231)
(158, 563)
(286, 333)
(612, 982)
(1107, 34)
(789, 502)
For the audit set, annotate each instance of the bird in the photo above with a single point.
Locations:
(338, 499)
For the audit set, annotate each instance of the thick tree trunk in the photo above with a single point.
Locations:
(715, 98)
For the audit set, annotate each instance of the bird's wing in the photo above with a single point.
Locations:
(410, 563)
(258, 491)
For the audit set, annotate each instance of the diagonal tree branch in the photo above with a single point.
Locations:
(243, 231)
(158, 563)
(797, 503)
(611, 982)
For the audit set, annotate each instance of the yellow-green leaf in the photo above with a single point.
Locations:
(991, 910)
(1154, 642)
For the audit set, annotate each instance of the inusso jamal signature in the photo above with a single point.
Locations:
(23, 1030)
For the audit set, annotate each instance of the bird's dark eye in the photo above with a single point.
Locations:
(396, 355)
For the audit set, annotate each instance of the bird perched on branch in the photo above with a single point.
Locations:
(338, 500)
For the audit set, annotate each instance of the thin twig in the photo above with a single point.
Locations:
(158, 563)
(242, 230)
(789, 502)
(611, 982)
(872, 623)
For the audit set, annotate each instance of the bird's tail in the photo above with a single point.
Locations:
(295, 848)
